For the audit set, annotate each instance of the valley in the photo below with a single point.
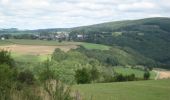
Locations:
(122, 60)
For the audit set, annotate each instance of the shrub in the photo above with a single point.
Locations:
(82, 76)
(26, 77)
(146, 75)
(5, 58)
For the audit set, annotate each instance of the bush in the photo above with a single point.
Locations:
(146, 75)
(82, 76)
(57, 90)
(5, 58)
(26, 77)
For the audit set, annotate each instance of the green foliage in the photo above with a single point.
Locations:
(5, 58)
(8, 75)
(147, 37)
(94, 73)
(26, 77)
(121, 78)
(82, 76)
(116, 56)
(24, 86)
(58, 55)
(6, 81)
(47, 72)
(146, 75)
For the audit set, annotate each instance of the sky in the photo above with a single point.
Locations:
(40, 14)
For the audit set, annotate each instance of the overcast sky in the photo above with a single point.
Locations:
(35, 14)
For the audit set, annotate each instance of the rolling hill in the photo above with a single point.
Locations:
(149, 37)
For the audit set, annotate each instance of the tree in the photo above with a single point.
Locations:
(130, 77)
(58, 55)
(94, 73)
(111, 61)
(82, 76)
(146, 75)
(47, 73)
(150, 68)
(120, 78)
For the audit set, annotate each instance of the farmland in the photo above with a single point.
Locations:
(140, 90)
(39, 50)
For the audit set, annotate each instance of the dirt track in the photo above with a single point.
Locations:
(162, 74)
(36, 50)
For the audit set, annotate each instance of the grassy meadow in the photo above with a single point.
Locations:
(29, 58)
(139, 90)
(94, 46)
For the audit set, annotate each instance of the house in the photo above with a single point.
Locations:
(2, 38)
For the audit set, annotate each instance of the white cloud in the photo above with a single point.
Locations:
(33, 14)
(137, 6)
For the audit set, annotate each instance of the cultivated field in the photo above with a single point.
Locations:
(36, 49)
(139, 90)
(24, 50)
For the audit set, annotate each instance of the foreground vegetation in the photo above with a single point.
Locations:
(89, 63)
(18, 84)
(140, 90)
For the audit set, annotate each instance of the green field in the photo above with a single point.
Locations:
(52, 43)
(137, 90)
(138, 73)
(29, 58)
(4, 42)
(36, 42)
(95, 46)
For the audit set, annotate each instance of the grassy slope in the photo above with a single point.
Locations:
(94, 46)
(138, 73)
(29, 58)
(140, 90)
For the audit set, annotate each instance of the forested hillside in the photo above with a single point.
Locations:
(149, 37)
